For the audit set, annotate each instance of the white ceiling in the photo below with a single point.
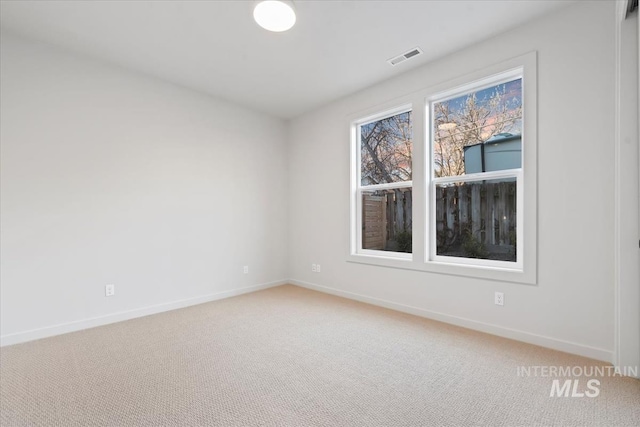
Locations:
(335, 48)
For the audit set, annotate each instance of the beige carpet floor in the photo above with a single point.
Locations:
(288, 356)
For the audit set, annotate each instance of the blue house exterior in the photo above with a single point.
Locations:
(503, 151)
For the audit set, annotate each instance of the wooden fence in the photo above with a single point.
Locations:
(385, 213)
(482, 211)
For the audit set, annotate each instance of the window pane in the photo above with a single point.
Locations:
(385, 147)
(386, 220)
(477, 219)
(479, 132)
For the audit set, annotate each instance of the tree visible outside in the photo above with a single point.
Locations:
(386, 144)
(386, 147)
(386, 157)
(475, 219)
(471, 119)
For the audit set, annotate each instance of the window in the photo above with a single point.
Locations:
(476, 138)
(444, 179)
(384, 184)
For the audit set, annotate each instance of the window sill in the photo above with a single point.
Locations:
(501, 274)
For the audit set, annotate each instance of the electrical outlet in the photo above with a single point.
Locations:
(109, 290)
(245, 269)
(318, 268)
(499, 298)
(314, 268)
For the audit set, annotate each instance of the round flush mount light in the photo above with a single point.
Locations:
(274, 15)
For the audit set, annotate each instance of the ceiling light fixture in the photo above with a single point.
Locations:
(274, 15)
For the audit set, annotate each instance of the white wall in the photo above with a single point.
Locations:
(113, 177)
(628, 260)
(572, 306)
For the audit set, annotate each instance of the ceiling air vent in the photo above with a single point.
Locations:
(407, 55)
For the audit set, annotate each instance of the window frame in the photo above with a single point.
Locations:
(418, 100)
(356, 243)
(431, 236)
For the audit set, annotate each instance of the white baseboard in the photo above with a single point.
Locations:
(543, 341)
(63, 328)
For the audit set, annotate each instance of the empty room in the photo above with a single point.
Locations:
(319, 213)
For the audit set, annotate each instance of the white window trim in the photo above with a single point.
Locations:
(431, 255)
(356, 242)
(421, 168)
